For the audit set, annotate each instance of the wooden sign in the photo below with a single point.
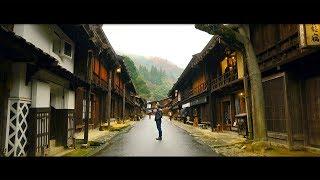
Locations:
(199, 101)
(309, 35)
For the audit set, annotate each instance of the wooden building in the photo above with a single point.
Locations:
(53, 77)
(191, 93)
(288, 59)
(291, 81)
(226, 84)
(37, 109)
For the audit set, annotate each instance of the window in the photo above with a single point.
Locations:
(67, 49)
(61, 47)
(84, 109)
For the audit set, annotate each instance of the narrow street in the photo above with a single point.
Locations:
(140, 141)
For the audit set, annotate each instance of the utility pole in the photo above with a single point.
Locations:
(88, 94)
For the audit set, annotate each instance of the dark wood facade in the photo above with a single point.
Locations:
(212, 85)
(291, 85)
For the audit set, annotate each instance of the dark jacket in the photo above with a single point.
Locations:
(158, 115)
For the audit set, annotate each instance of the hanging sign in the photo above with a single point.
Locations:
(309, 35)
(199, 101)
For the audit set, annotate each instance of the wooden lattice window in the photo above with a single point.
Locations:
(275, 110)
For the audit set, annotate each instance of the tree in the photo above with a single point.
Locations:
(239, 38)
(139, 83)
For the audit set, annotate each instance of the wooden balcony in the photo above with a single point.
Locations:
(195, 91)
(285, 50)
(225, 79)
(99, 82)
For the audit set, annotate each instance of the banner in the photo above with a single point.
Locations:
(309, 35)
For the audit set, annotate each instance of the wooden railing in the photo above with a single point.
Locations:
(99, 82)
(286, 48)
(224, 79)
(195, 91)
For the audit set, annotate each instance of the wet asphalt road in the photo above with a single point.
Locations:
(140, 141)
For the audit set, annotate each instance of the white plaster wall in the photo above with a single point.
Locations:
(69, 99)
(41, 35)
(56, 97)
(18, 87)
(40, 94)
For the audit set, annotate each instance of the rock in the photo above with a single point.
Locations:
(258, 146)
(244, 147)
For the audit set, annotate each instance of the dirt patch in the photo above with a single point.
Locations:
(231, 144)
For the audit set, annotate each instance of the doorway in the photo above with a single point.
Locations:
(313, 110)
(226, 112)
(4, 95)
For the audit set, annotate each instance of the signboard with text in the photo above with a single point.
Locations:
(309, 35)
(199, 101)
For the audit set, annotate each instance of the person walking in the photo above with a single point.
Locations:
(170, 115)
(158, 117)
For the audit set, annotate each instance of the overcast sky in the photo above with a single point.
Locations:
(176, 43)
